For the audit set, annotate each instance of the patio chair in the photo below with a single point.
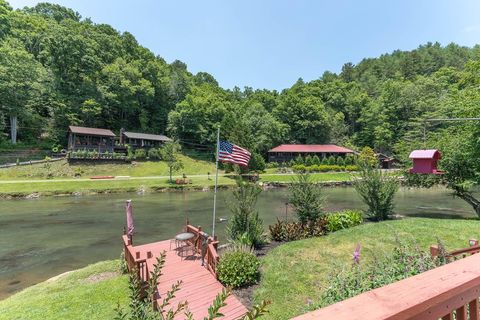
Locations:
(189, 246)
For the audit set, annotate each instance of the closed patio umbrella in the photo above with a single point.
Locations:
(130, 226)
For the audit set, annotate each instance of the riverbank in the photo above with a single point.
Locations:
(60, 178)
(36, 188)
(294, 274)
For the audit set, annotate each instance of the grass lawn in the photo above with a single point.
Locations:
(298, 272)
(53, 187)
(89, 293)
(317, 177)
(63, 170)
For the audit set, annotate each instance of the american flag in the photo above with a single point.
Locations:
(229, 152)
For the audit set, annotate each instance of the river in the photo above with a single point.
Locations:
(43, 237)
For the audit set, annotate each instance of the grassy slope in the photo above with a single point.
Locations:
(61, 169)
(72, 296)
(297, 272)
(63, 173)
(92, 186)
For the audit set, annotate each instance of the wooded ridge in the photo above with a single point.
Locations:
(59, 69)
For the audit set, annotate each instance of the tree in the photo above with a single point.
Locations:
(377, 189)
(21, 80)
(367, 157)
(256, 163)
(306, 198)
(169, 153)
(304, 114)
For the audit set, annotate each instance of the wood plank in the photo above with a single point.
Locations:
(473, 309)
(410, 297)
(199, 287)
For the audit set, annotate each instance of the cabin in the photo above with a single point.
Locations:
(287, 152)
(142, 140)
(90, 139)
(425, 161)
(385, 161)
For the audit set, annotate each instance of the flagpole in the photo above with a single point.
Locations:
(216, 183)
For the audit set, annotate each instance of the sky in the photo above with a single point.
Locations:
(271, 43)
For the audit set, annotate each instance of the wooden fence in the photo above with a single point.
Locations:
(448, 292)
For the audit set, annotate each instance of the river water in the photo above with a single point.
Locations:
(44, 237)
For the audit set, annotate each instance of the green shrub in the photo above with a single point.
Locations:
(140, 154)
(331, 160)
(349, 159)
(309, 160)
(340, 162)
(343, 220)
(153, 154)
(377, 190)
(289, 231)
(245, 219)
(238, 267)
(324, 161)
(256, 163)
(351, 168)
(316, 160)
(299, 160)
(299, 168)
(306, 198)
(271, 165)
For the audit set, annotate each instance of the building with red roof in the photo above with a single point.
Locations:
(287, 152)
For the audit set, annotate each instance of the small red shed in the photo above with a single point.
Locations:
(425, 161)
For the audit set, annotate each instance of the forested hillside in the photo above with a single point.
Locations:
(58, 69)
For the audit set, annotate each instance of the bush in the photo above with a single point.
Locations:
(320, 168)
(299, 168)
(316, 160)
(271, 165)
(299, 160)
(343, 220)
(238, 267)
(309, 160)
(245, 218)
(349, 159)
(377, 190)
(367, 156)
(256, 163)
(326, 168)
(340, 162)
(153, 154)
(140, 154)
(331, 160)
(351, 168)
(289, 231)
(306, 198)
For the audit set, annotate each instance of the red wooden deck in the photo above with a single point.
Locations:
(199, 286)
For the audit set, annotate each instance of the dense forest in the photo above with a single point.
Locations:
(59, 69)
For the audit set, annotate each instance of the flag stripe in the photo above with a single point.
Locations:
(233, 154)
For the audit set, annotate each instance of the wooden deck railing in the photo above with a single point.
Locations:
(448, 292)
(133, 260)
(206, 246)
(458, 254)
